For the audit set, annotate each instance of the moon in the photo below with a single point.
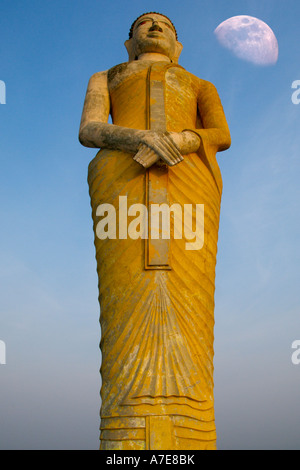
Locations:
(249, 39)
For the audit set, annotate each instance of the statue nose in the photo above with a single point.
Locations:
(156, 27)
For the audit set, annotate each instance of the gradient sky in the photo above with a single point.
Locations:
(49, 388)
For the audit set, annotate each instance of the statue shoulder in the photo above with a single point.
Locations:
(207, 90)
(117, 69)
(111, 76)
(98, 78)
(198, 83)
(120, 72)
(203, 84)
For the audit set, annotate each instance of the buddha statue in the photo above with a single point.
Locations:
(156, 296)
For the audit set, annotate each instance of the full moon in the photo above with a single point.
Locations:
(249, 39)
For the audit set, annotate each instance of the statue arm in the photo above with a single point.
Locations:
(96, 132)
(215, 130)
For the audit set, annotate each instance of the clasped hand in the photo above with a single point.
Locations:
(165, 146)
(155, 146)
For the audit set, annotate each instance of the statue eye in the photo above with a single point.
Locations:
(142, 22)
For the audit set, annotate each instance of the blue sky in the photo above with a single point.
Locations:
(49, 388)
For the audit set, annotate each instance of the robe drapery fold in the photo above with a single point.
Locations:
(157, 325)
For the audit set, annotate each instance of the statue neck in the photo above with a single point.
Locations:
(154, 56)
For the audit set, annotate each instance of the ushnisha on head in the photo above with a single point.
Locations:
(153, 33)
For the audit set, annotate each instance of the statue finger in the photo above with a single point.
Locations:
(142, 153)
(172, 151)
(168, 152)
(168, 139)
(146, 156)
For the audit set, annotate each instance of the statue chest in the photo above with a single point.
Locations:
(154, 96)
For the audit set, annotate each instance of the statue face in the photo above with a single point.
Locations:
(154, 33)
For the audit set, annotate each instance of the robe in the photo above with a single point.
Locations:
(157, 320)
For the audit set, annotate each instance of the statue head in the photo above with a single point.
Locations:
(153, 32)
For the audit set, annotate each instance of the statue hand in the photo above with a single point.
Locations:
(162, 145)
(186, 141)
(146, 156)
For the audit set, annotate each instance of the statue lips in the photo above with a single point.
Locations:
(155, 33)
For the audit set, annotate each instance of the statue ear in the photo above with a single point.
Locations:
(129, 46)
(177, 53)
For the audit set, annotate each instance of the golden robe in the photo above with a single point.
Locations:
(157, 325)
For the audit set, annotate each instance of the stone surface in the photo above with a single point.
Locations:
(156, 297)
